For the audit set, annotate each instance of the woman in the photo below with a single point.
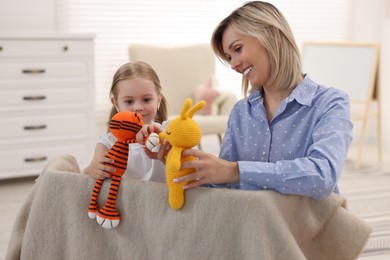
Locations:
(288, 134)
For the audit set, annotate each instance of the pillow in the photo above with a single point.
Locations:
(207, 93)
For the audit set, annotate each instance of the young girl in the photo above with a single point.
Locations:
(135, 87)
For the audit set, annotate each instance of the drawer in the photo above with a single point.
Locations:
(35, 98)
(41, 70)
(43, 126)
(32, 161)
(40, 48)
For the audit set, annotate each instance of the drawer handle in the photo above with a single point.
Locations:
(34, 127)
(35, 159)
(65, 48)
(33, 71)
(28, 98)
(1, 48)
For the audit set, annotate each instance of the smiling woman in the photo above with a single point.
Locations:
(255, 56)
(290, 134)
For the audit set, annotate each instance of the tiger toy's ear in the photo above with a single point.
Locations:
(125, 125)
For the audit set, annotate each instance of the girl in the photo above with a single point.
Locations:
(290, 134)
(135, 87)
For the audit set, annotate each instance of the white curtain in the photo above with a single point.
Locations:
(117, 23)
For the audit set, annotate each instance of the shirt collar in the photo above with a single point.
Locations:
(257, 95)
(303, 93)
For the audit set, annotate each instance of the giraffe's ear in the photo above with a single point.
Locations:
(184, 110)
(198, 106)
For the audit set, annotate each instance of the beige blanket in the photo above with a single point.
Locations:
(213, 224)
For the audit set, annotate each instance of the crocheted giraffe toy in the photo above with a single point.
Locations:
(182, 133)
(124, 126)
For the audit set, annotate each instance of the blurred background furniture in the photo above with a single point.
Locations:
(187, 71)
(46, 99)
(353, 68)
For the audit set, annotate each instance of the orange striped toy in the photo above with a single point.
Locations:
(124, 126)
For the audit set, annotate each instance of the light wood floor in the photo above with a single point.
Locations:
(13, 193)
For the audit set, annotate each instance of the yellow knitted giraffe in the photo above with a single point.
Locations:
(182, 133)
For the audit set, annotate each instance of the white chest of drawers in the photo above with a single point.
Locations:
(46, 100)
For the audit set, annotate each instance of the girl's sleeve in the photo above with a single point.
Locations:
(164, 124)
(107, 139)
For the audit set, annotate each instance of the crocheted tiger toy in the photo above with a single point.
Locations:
(182, 133)
(124, 126)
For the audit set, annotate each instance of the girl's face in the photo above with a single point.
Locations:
(247, 56)
(137, 95)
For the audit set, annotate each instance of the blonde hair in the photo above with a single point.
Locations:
(267, 24)
(145, 71)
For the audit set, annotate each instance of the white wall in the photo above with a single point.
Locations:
(370, 22)
(33, 15)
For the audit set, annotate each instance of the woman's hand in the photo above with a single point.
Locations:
(208, 169)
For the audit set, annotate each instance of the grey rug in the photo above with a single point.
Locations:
(368, 194)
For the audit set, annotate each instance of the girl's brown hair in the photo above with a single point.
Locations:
(145, 71)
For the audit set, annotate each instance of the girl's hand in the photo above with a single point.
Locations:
(161, 154)
(97, 169)
(208, 169)
(146, 130)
